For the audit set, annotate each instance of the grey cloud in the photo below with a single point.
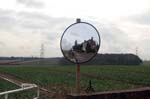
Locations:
(32, 22)
(42, 22)
(31, 3)
(30, 29)
(23, 33)
(142, 18)
(2, 44)
(114, 39)
(7, 19)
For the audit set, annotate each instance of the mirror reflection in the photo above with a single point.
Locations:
(80, 42)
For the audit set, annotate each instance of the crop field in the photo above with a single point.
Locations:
(5, 85)
(61, 79)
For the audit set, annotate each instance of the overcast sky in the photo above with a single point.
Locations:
(26, 24)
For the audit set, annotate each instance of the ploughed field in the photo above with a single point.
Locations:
(62, 78)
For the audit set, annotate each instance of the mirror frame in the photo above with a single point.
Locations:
(65, 32)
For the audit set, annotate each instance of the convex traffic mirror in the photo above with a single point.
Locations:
(80, 42)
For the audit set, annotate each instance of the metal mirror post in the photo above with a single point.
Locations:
(77, 70)
(79, 43)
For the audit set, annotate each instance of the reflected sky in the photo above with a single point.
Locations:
(79, 32)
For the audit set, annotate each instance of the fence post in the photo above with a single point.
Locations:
(38, 92)
(6, 96)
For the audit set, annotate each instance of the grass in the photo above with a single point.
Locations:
(5, 85)
(104, 78)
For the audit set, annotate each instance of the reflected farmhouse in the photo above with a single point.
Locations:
(81, 52)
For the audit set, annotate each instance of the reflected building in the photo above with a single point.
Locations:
(88, 46)
(83, 51)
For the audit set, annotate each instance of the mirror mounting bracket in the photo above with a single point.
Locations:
(78, 20)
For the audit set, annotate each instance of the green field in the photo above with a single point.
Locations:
(5, 85)
(104, 78)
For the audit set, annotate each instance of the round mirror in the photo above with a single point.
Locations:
(80, 42)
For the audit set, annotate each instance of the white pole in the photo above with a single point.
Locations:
(38, 92)
(6, 96)
(17, 90)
